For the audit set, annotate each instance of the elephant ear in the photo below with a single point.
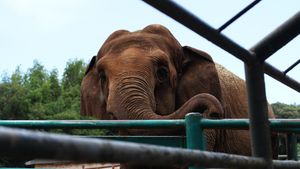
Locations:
(198, 75)
(192, 54)
(90, 65)
(91, 95)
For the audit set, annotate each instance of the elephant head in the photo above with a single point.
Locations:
(147, 74)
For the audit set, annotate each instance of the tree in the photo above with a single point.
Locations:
(71, 81)
(73, 73)
(282, 110)
(54, 85)
(36, 81)
(36, 76)
(13, 101)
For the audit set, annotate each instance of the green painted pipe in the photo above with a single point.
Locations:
(278, 124)
(92, 124)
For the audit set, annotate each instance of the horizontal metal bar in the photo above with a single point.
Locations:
(20, 143)
(226, 123)
(285, 123)
(277, 38)
(286, 164)
(288, 130)
(192, 22)
(244, 123)
(242, 12)
(92, 124)
(288, 124)
(291, 67)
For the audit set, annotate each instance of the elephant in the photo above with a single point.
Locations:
(147, 74)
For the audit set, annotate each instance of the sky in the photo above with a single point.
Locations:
(55, 31)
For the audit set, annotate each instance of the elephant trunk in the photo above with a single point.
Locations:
(203, 103)
(136, 101)
(131, 98)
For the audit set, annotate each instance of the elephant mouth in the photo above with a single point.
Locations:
(111, 116)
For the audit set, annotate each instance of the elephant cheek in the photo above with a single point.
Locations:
(165, 101)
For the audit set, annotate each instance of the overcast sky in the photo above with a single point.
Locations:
(54, 31)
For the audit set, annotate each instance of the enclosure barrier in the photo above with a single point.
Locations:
(96, 150)
(255, 66)
(21, 143)
(280, 125)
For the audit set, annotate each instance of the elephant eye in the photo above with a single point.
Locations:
(162, 74)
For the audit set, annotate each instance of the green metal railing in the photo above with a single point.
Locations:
(292, 125)
(194, 125)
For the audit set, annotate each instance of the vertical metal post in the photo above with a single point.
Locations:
(258, 112)
(194, 132)
(292, 146)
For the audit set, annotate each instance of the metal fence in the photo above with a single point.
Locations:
(22, 143)
(255, 65)
(168, 150)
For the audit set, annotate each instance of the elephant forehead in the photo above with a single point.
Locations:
(134, 57)
(139, 40)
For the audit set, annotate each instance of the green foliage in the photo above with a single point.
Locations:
(73, 74)
(54, 85)
(40, 95)
(282, 110)
(14, 102)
